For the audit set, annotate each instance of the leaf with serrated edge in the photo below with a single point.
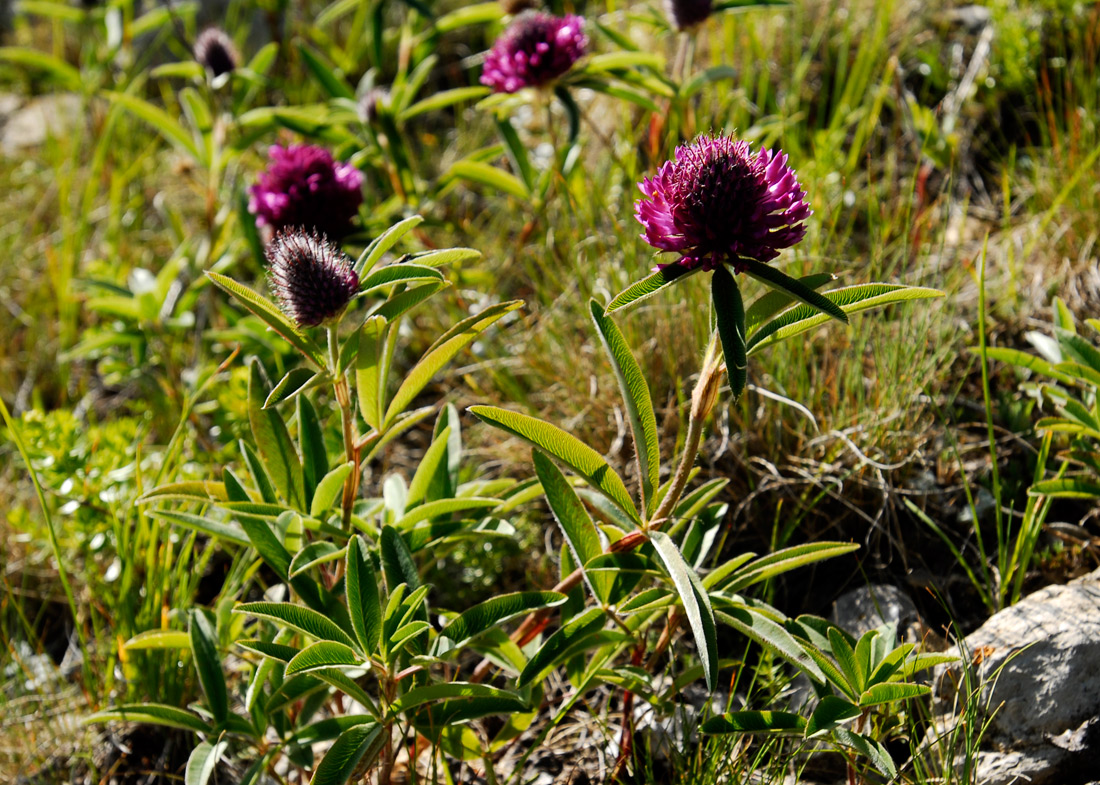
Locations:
(639, 405)
(695, 600)
(566, 448)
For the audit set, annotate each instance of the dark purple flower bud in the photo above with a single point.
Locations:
(215, 52)
(536, 49)
(513, 7)
(312, 280)
(718, 202)
(371, 102)
(685, 14)
(303, 186)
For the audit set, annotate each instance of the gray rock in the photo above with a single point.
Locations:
(34, 123)
(1039, 665)
(862, 610)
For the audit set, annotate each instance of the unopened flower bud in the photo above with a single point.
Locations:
(312, 280)
(215, 52)
(685, 14)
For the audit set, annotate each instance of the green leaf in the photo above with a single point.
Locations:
(202, 762)
(616, 61)
(428, 468)
(294, 382)
(758, 627)
(777, 279)
(66, 75)
(869, 748)
(203, 491)
(279, 652)
(258, 473)
(216, 529)
(397, 561)
(440, 507)
(706, 76)
(319, 552)
(1024, 360)
(891, 691)
(647, 287)
(846, 658)
(729, 309)
(566, 448)
(159, 639)
(356, 749)
(162, 122)
(490, 613)
(517, 153)
(830, 713)
(323, 654)
(399, 273)
(371, 367)
(361, 589)
(152, 714)
(573, 519)
(773, 301)
(695, 600)
(455, 689)
(469, 14)
(324, 75)
(754, 722)
(305, 620)
(400, 304)
(204, 649)
(639, 406)
(781, 561)
(564, 639)
(485, 174)
(328, 489)
(271, 436)
(271, 315)
(442, 100)
(448, 345)
(373, 253)
(311, 440)
(850, 299)
(444, 256)
(1067, 488)
(437, 717)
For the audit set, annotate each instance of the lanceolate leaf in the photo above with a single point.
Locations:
(153, 714)
(384, 242)
(639, 406)
(888, 692)
(202, 761)
(781, 561)
(577, 629)
(455, 689)
(777, 279)
(772, 302)
(574, 521)
(312, 442)
(397, 561)
(499, 609)
(486, 174)
(831, 712)
(328, 489)
(297, 617)
(271, 435)
(566, 448)
(270, 313)
(222, 531)
(647, 287)
(870, 748)
(729, 310)
(371, 370)
(399, 273)
(357, 747)
(319, 552)
(754, 722)
(364, 604)
(850, 299)
(294, 382)
(441, 353)
(757, 627)
(323, 654)
(696, 603)
(204, 649)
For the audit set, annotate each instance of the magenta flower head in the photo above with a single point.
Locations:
(304, 187)
(685, 14)
(312, 280)
(718, 202)
(215, 52)
(536, 49)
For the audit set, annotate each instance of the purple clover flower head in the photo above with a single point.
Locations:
(304, 187)
(717, 202)
(686, 14)
(312, 280)
(536, 49)
(215, 52)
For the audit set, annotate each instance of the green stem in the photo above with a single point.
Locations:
(343, 400)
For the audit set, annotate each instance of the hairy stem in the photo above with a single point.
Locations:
(351, 447)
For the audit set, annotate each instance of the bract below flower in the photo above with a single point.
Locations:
(304, 187)
(535, 50)
(718, 202)
(312, 280)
